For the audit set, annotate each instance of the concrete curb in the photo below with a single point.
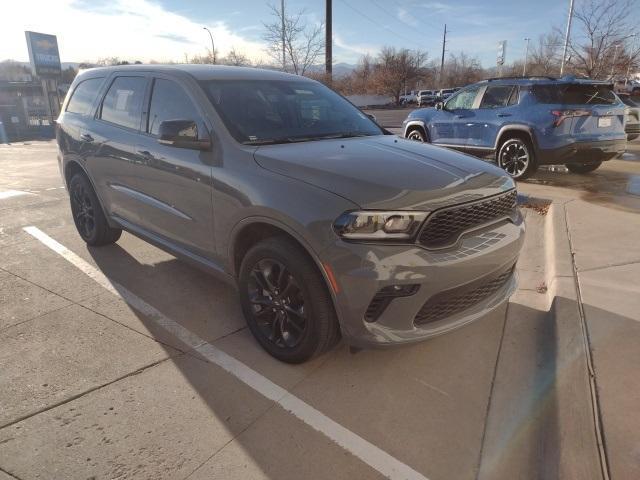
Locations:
(542, 420)
(561, 280)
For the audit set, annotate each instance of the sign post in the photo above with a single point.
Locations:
(502, 53)
(45, 64)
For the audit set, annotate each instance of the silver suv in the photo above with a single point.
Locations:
(328, 225)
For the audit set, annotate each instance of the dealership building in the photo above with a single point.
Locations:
(29, 103)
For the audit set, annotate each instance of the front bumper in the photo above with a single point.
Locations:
(583, 152)
(362, 270)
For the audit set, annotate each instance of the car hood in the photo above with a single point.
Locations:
(386, 172)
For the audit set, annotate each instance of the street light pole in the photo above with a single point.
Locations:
(566, 37)
(526, 57)
(213, 48)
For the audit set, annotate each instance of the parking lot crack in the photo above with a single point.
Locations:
(86, 392)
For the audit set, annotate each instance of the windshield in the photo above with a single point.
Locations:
(627, 100)
(259, 112)
(575, 94)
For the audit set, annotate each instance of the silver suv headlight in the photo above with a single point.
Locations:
(379, 225)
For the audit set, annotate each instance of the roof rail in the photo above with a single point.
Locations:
(528, 77)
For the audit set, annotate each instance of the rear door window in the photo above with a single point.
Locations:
(169, 102)
(575, 94)
(496, 96)
(84, 95)
(123, 103)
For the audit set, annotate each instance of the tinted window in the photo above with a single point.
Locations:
(496, 96)
(123, 103)
(169, 102)
(627, 100)
(84, 95)
(282, 111)
(463, 99)
(575, 94)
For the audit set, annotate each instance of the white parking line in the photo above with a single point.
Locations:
(12, 193)
(367, 452)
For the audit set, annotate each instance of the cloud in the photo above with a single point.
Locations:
(129, 29)
(405, 16)
(359, 49)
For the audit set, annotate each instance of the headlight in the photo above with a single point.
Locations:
(375, 225)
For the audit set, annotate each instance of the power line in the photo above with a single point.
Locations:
(375, 22)
(406, 24)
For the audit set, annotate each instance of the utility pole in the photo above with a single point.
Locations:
(526, 57)
(284, 55)
(328, 39)
(444, 43)
(566, 37)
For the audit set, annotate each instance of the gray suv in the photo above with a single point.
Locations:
(328, 225)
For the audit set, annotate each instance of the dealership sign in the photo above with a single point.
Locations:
(43, 54)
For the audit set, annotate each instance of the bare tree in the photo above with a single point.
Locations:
(462, 69)
(545, 57)
(603, 36)
(303, 43)
(236, 58)
(395, 69)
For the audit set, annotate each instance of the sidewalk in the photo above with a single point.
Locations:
(603, 225)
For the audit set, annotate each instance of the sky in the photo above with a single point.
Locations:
(167, 30)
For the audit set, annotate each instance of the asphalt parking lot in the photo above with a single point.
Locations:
(123, 362)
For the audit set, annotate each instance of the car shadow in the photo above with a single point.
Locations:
(528, 376)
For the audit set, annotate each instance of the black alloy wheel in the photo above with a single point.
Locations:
(83, 210)
(88, 215)
(278, 303)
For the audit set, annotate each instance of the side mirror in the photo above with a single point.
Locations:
(439, 106)
(372, 117)
(181, 134)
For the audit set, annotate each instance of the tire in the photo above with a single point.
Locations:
(516, 156)
(276, 279)
(88, 215)
(417, 135)
(583, 168)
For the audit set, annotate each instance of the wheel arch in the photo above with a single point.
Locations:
(417, 124)
(508, 131)
(72, 167)
(252, 230)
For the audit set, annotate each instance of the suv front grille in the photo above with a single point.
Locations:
(450, 302)
(444, 227)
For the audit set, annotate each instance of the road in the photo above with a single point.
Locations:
(123, 362)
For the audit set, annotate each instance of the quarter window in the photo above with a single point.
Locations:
(463, 99)
(84, 95)
(169, 102)
(123, 103)
(496, 96)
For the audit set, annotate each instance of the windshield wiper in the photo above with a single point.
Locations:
(273, 141)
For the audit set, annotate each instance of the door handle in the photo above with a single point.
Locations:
(85, 137)
(504, 114)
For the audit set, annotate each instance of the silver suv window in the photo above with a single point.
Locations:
(169, 102)
(84, 95)
(123, 103)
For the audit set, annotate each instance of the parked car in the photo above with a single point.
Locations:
(426, 98)
(445, 93)
(525, 122)
(275, 183)
(632, 114)
(411, 97)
